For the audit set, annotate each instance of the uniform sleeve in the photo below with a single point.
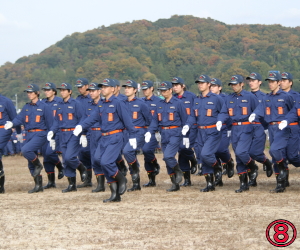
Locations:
(154, 124)
(48, 116)
(146, 113)
(192, 118)
(12, 114)
(182, 113)
(223, 115)
(123, 113)
(292, 116)
(91, 120)
(19, 119)
(290, 102)
(260, 110)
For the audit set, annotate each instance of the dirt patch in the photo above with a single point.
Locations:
(146, 219)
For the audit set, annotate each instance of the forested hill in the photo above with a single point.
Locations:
(184, 46)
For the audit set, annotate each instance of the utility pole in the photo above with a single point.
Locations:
(16, 101)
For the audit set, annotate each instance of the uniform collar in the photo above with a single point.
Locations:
(278, 92)
(208, 95)
(171, 100)
(35, 104)
(242, 93)
(110, 98)
(69, 101)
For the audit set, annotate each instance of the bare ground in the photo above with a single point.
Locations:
(146, 219)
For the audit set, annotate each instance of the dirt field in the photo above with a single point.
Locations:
(147, 219)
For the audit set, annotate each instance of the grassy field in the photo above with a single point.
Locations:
(146, 219)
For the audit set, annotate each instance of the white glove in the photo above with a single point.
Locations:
(50, 135)
(20, 137)
(8, 125)
(133, 143)
(185, 129)
(77, 130)
(52, 144)
(15, 141)
(158, 136)
(228, 133)
(83, 141)
(251, 117)
(267, 134)
(282, 124)
(186, 142)
(147, 137)
(219, 125)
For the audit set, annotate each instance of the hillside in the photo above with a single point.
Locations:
(183, 46)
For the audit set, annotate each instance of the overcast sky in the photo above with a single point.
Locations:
(28, 27)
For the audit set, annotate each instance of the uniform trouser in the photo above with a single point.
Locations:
(70, 148)
(185, 155)
(223, 151)
(130, 153)
(170, 143)
(10, 148)
(241, 138)
(34, 141)
(208, 142)
(148, 151)
(4, 138)
(50, 158)
(94, 148)
(110, 147)
(292, 151)
(258, 143)
(18, 147)
(57, 142)
(85, 155)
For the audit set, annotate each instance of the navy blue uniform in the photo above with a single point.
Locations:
(141, 118)
(36, 118)
(68, 115)
(149, 148)
(204, 113)
(274, 108)
(187, 154)
(238, 107)
(170, 118)
(114, 118)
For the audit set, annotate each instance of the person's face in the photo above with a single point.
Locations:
(107, 90)
(49, 93)
(95, 93)
(254, 84)
(177, 88)
(166, 93)
(273, 85)
(216, 89)
(237, 88)
(65, 93)
(148, 92)
(117, 90)
(83, 90)
(129, 91)
(203, 86)
(285, 84)
(31, 95)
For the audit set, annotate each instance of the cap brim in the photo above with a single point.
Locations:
(145, 87)
(234, 83)
(272, 79)
(29, 90)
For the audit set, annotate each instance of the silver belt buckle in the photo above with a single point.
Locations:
(239, 123)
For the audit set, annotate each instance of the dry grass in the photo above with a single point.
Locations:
(147, 219)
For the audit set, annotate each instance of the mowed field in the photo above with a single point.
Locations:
(146, 219)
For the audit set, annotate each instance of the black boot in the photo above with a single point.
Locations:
(187, 179)
(38, 181)
(51, 181)
(280, 187)
(1, 169)
(2, 181)
(156, 166)
(243, 183)
(253, 173)
(268, 166)
(282, 171)
(100, 184)
(199, 169)
(114, 189)
(224, 165)
(175, 186)
(61, 171)
(136, 185)
(135, 170)
(287, 183)
(122, 181)
(230, 168)
(151, 183)
(37, 167)
(178, 174)
(72, 185)
(83, 172)
(122, 167)
(218, 174)
(88, 180)
(193, 165)
(209, 183)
